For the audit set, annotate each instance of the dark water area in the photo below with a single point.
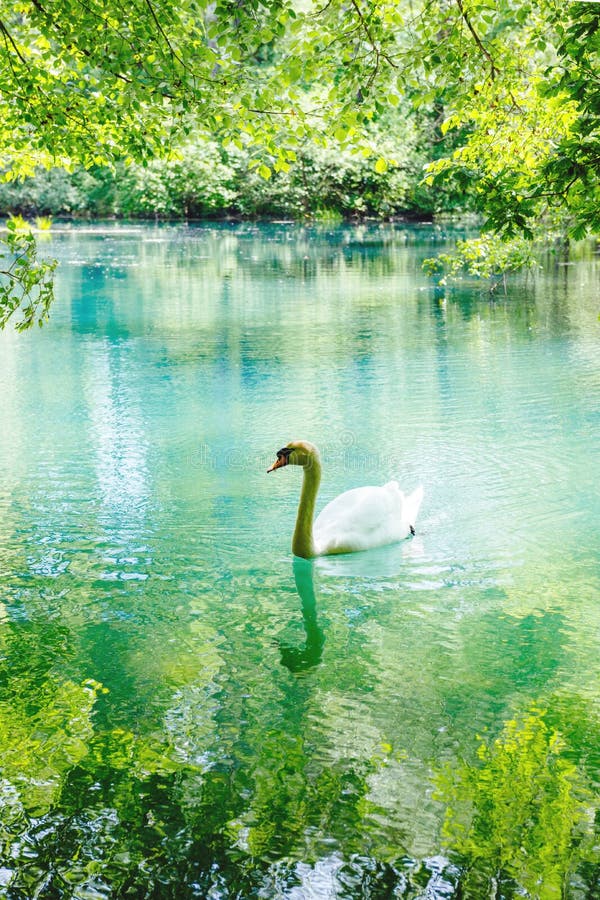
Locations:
(186, 710)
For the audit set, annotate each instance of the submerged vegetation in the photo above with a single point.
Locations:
(112, 812)
(520, 820)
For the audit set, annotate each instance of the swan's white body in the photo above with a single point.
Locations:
(364, 518)
(360, 519)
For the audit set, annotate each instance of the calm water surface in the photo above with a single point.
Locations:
(185, 711)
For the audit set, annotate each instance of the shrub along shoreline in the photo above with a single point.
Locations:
(205, 181)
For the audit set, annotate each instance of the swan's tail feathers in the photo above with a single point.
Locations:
(411, 507)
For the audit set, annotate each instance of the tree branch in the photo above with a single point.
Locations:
(477, 39)
(8, 38)
(376, 49)
(172, 50)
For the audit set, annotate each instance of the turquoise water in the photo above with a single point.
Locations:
(187, 712)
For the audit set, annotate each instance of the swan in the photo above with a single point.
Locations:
(359, 519)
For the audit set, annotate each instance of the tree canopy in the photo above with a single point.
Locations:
(509, 91)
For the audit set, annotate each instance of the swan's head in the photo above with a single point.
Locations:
(296, 453)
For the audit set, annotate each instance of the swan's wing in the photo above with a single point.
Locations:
(364, 503)
(361, 518)
(411, 506)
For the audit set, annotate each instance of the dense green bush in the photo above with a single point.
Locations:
(198, 182)
(51, 192)
(326, 181)
(204, 179)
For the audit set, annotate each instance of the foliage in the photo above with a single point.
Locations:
(47, 192)
(505, 96)
(26, 283)
(205, 178)
(196, 183)
(96, 82)
(331, 180)
(44, 726)
(43, 223)
(18, 223)
(483, 257)
(43, 741)
(521, 815)
(571, 174)
(528, 117)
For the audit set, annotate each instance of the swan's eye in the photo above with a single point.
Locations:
(284, 452)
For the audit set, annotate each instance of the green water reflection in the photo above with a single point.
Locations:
(185, 711)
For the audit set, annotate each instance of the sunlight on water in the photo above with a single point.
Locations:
(185, 711)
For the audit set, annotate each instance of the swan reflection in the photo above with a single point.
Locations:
(300, 659)
(382, 563)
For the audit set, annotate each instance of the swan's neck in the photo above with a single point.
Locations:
(302, 542)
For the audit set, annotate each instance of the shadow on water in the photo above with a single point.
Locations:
(300, 659)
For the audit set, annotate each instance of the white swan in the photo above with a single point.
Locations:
(359, 519)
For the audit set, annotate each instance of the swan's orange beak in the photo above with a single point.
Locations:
(279, 462)
(283, 458)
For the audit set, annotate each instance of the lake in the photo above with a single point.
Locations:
(186, 710)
